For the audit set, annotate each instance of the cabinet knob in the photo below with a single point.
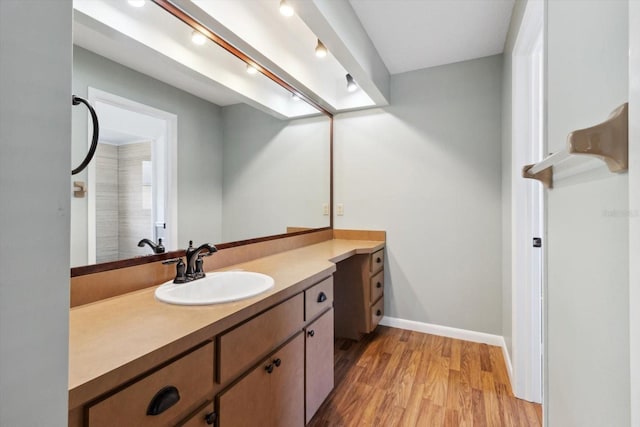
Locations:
(379, 313)
(378, 285)
(269, 368)
(311, 333)
(322, 297)
(378, 260)
(277, 362)
(163, 400)
(211, 418)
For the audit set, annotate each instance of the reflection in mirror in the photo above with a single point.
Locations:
(182, 156)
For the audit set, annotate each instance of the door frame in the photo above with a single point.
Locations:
(528, 210)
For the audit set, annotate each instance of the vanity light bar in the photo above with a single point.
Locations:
(196, 25)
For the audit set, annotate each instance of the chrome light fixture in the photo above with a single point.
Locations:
(321, 50)
(352, 86)
(285, 8)
(251, 69)
(198, 38)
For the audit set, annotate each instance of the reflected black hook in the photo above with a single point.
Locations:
(75, 100)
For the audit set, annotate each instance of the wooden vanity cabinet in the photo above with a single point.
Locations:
(271, 394)
(318, 362)
(359, 294)
(203, 417)
(161, 398)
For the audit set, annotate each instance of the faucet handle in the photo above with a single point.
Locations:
(181, 276)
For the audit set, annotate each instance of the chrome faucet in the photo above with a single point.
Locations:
(156, 248)
(194, 259)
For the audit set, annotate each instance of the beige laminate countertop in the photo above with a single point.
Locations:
(114, 340)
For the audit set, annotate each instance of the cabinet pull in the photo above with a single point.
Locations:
(322, 297)
(378, 285)
(378, 260)
(378, 313)
(269, 368)
(163, 400)
(311, 333)
(277, 362)
(211, 418)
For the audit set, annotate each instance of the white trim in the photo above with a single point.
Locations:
(527, 221)
(456, 333)
(444, 331)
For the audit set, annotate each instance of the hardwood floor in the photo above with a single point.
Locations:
(395, 377)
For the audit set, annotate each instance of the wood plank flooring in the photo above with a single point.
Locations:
(394, 377)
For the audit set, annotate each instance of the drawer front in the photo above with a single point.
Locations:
(318, 298)
(377, 286)
(245, 345)
(377, 261)
(192, 378)
(203, 418)
(377, 311)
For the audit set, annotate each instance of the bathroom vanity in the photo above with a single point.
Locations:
(266, 360)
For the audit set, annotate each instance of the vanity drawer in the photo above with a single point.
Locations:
(377, 286)
(318, 298)
(242, 347)
(191, 378)
(377, 311)
(377, 261)
(201, 418)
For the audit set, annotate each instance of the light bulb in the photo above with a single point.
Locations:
(285, 8)
(352, 86)
(251, 69)
(321, 50)
(198, 38)
(136, 3)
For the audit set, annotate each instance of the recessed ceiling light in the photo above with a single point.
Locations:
(321, 50)
(198, 38)
(285, 8)
(137, 3)
(251, 69)
(352, 86)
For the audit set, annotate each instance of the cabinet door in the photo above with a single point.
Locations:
(271, 395)
(318, 362)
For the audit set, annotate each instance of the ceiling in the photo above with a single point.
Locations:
(414, 34)
(369, 39)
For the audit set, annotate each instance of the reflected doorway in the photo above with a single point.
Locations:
(132, 180)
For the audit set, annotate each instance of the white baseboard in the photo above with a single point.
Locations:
(447, 331)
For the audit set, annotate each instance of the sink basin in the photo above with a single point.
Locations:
(215, 288)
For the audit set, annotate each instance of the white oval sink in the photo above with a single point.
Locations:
(215, 288)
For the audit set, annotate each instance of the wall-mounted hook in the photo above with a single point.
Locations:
(79, 188)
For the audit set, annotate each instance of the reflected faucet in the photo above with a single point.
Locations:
(156, 248)
(194, 259)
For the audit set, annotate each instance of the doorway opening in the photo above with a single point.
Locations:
(132, 183)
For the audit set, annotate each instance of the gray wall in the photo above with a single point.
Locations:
(199, 147)
(35, 130)
(427, 169)
(276, 173)
(587, 334)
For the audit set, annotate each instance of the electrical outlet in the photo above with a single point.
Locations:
(325, 209)
(340, 209)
